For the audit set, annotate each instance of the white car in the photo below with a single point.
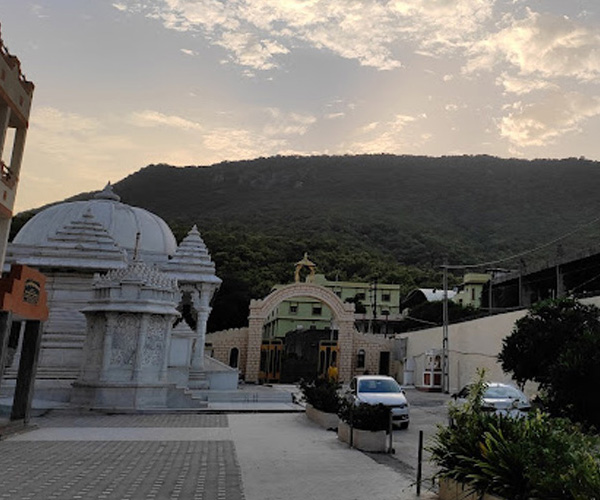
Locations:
(501, 398)
(381, 389)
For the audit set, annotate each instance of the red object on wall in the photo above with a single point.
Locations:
(23, 292)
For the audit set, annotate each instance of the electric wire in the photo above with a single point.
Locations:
(524, 253)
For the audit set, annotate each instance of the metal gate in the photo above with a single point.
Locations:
(328, 354)
(270, 360)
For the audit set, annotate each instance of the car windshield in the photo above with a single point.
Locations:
(378, 385)
(502, 392)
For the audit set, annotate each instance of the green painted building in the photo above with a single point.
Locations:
(377, 309)
(470, 290)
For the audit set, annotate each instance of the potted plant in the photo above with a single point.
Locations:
(322, 401)
(365, 426)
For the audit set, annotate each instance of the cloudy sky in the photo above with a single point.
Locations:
(121, 84)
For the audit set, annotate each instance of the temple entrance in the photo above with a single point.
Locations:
(307, 355)
(340, 350)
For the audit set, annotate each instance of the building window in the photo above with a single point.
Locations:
(360, 358)
(385, 297)
(293, 308)
(472, 293)
(360, 296)
(317, 310)
(234, 355)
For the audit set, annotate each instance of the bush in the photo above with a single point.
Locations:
(322, 394)
(534, 457)
(557, 345)
(365, 416)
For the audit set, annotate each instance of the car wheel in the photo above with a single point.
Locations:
(404, 425)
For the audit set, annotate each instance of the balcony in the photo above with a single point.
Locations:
(7, 176)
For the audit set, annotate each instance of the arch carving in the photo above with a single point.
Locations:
(343, 315)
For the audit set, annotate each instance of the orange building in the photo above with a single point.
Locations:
(16, 93)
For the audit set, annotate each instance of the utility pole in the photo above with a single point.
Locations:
(445, 364)
(375, 305)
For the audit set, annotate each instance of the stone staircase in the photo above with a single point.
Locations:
(247, 394)
(182, 398)
(198, 380)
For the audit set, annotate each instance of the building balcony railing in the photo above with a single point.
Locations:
(13, 61)
(7, 176)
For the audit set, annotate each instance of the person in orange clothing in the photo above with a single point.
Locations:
(332, 372)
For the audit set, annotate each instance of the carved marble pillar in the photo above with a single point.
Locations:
(201, 303)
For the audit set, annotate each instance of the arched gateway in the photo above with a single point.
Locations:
(343, 314)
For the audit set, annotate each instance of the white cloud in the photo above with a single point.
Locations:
(56, 121)
(149, 118)
(249, 50)
(120, 6)
(543, 122)
(188, 52)
(236, 144)
(541, 44)
(389, 137)
(280, 123)
(82, 152)
(516, 85)
(39, 11)
(254, 32)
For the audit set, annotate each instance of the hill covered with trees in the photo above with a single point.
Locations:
(384, 217)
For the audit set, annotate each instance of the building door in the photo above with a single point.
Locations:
(384, 363)
(328, 353)
(270, 360)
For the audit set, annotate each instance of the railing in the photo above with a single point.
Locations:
(13, 61)
(7, 176)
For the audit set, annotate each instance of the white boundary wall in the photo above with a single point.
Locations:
(471, 344)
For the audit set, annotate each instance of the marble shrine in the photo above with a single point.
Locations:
(102, 259)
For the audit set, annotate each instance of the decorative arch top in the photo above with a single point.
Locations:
(342, 311)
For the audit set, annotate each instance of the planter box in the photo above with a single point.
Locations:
(374, 441)
(452, 490)
(323, 419)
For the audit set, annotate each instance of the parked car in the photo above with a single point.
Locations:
(381, 389)
(504, 399)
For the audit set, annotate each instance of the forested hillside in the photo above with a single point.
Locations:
(391, 218)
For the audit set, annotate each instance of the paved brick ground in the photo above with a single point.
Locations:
(251, 456)
(64, 419)
(151, 468)
(119, 470)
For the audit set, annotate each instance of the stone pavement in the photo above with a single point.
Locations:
(251, 456)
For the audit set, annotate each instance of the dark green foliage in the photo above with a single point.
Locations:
(361, 218)
(534, 457)
(359, 307)
(557, 345)
(365, 416)
(322, 394)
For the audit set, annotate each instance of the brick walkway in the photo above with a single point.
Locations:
(251, 456)
(62, 463)
(65, 419)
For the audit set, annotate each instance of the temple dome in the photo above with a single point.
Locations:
(122, 222)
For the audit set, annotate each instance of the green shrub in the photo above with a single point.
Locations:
(322, 394)
(534, 457)
(365, 416)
